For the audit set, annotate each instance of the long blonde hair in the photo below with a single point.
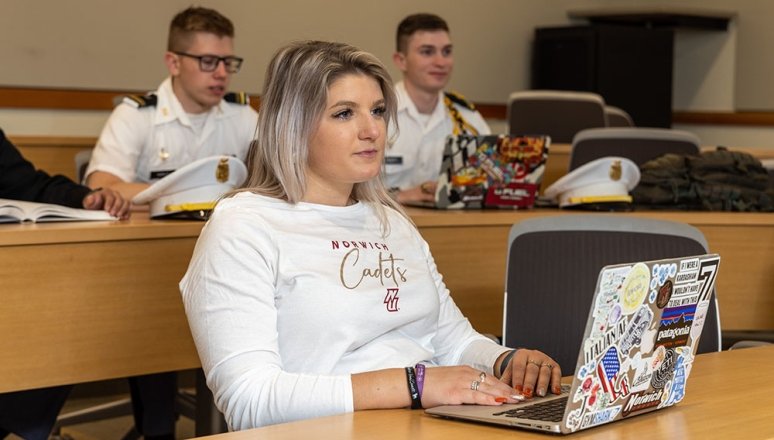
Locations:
(294, 96)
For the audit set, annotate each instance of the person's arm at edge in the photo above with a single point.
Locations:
(20, 180)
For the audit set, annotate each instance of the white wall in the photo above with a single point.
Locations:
(52, 122)
(704, 70)
(117, 44)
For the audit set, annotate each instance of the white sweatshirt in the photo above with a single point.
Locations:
(285, 302)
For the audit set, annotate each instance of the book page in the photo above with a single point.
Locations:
(31, 212)
(10, 213)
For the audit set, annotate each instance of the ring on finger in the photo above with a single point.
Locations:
(549, 365)
(534, 362)
(482, 377)
(474, 385)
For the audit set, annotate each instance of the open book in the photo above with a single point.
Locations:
(16, 211)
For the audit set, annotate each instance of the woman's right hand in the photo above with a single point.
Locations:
(455, 385)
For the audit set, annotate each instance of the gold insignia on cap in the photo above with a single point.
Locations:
(615, 170)
(163, 154)
(221, 173)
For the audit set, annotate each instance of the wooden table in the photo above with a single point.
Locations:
(88, 301)
(729, 395)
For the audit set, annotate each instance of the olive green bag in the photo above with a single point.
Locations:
(719, 180)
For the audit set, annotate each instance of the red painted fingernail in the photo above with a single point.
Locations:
(517, 388)
(501, 399)
(527, 392)
(557, 390)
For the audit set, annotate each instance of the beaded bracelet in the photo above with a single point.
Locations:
(420, 370)
(506, 360)
(416, 401)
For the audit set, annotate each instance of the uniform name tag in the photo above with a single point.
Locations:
(161, 173)
(393, 160)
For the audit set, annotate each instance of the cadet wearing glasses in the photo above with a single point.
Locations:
(189, 117)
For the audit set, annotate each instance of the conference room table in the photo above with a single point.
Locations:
(729, 395)
(87, 301)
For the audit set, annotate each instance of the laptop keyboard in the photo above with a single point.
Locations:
(550, 410)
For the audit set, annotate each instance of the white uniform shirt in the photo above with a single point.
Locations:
(145, 144)
(416, 155)
(285, 302)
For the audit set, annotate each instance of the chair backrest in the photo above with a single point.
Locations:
(635, 143)
(82, 159)
(559, 114)
(617, 117)
(552, 269)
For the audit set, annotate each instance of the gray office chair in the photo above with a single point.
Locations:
(82, 159)
(559, 114)
(552, 268)
(635, 143)
(617, 117)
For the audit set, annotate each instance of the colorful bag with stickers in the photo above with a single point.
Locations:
(719, 180)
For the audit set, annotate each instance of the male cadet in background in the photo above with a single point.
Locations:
(189, 117)
(426, 114)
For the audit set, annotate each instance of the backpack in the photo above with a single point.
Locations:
(719, 180)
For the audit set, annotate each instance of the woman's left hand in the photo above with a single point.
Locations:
(533, 373)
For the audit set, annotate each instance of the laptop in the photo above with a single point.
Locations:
(490, 171)
(640, 340)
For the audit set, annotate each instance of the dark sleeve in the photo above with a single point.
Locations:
(20, 180)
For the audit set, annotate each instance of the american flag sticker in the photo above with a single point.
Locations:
(607, 371)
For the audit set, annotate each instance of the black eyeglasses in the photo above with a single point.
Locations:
(208, 63)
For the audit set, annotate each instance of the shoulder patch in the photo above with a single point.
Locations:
(141, 101)
(460, 100)
(240, 98)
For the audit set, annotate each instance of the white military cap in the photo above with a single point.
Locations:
(193, 190)
(605, 180)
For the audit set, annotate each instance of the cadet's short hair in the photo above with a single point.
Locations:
(195, 19)
(414, 23)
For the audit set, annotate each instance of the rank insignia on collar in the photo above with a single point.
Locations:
(141, 101)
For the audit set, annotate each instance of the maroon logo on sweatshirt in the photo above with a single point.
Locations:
(391, 300)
